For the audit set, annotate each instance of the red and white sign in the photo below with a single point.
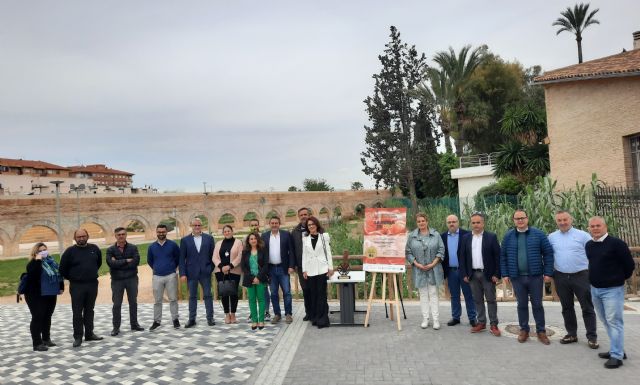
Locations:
(385, 238)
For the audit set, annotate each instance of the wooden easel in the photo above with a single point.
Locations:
(394, 305)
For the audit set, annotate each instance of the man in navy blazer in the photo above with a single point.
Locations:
(451, 266)
(480, 267)
(196, 266)
(279, 245)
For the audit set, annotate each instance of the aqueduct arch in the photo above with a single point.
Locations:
(19, 213)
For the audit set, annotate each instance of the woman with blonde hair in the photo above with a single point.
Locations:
(425, 251)
(44, 283)
(227, 255)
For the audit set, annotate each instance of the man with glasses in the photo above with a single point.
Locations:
(163, 257)
(196, 266)
(123, 260)
(526, 260)
(571, 277)
(451, 266)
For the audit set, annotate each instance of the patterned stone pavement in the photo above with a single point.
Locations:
(222, 354)
(302, 354)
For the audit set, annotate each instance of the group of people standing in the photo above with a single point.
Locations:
(261, 261)
(592, 267)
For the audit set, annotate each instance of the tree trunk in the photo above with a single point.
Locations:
(446, 132)
(412, 186)
(579, 40)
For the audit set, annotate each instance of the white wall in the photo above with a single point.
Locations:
(470, 180)
(21, 184)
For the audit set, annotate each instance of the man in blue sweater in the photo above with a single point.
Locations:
(163, 257)
(526, 256)
(610, 265)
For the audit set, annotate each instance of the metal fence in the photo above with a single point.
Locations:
(623, 206)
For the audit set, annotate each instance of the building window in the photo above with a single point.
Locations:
(634, 152)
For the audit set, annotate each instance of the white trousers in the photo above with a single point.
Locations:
(429, 302)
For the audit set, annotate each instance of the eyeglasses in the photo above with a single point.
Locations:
(121, 234)
(196, 225)
(519, 218)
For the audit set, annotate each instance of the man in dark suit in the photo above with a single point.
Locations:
(297, 234)
(451, 267)
(480, 268)
(281, 261)
(196, 252)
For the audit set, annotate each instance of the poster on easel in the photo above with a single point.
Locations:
(385, 238)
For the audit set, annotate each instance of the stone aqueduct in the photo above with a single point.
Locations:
(19, 214)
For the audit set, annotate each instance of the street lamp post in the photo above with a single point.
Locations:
(204, 205)
(58, 221)
(77, 190)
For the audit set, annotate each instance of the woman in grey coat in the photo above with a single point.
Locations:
(425, 251)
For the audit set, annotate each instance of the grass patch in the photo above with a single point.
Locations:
(10, 270)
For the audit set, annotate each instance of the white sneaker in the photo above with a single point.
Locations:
(425, 323)
(436, 325)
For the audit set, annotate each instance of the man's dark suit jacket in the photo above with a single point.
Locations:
(194, 264)
(287, 257)
(490, 255)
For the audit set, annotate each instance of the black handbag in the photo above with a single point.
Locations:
(227, 287)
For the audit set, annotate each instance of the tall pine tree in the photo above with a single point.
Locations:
(400, 140)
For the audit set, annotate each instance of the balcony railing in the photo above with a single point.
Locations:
(478, 160)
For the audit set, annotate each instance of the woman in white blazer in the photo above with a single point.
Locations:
(317, 267)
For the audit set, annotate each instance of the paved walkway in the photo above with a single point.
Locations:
(302, 354)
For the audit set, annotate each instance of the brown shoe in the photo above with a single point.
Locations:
(523, 336)
(494, 330)
(478, 328)
(288, 318)
(276, 318)
(542, 337)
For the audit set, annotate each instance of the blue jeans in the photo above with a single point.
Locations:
(204, 281)
(529, 287)
(609, 305)
(280, 278)
(455, 285)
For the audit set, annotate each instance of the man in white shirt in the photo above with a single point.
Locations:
(281, 259)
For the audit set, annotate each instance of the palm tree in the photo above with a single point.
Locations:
(575, 21)
(447, 86)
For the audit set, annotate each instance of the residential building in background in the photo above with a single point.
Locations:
(593, 120)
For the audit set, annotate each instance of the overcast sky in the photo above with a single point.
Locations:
(243, 95)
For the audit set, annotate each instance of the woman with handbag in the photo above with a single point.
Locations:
(44, 284)
(226, 259)
(255, 267)
(317, 267)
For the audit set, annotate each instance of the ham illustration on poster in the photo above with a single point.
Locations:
(385, 237)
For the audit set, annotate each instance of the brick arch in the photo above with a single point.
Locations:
(278, 213)
(106, 227)
(148, 229)
(5, 241)
(258, 215)
(44, 223)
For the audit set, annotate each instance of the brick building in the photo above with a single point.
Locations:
(593, 119)
(103, 175)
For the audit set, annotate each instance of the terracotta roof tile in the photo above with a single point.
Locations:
(101, 168)
(37, 164)
(622, 64)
